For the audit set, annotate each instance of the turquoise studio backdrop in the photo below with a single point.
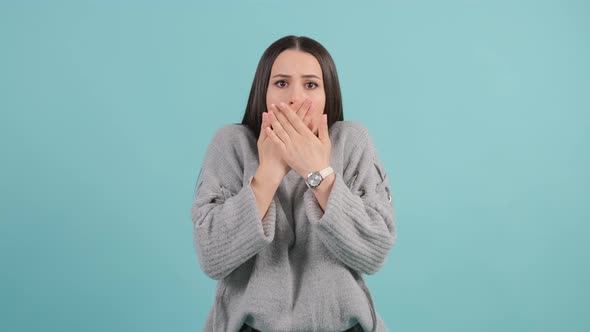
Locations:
(479, 110)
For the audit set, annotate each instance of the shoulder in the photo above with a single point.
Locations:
(233, 137)
(228, 151)
(351, 134)
(353, 140)
(233, 143)
(232, 133)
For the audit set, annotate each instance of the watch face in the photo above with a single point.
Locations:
(315, 179)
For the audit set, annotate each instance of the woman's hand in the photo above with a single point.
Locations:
(270, 161)
(269, 154)
(296, 143)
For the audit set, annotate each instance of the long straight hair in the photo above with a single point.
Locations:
(257, 99)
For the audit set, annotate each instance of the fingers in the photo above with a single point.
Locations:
(266, 132)
(293, 119)
(305, 107)
(273, 137)
(308, 115)
(263, 135)
(323, 134)
(277, 126)
(281, 117)
(296, 104)
(301, 108)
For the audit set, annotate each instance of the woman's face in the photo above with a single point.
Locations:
(296, 75)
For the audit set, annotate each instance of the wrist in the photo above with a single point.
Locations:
(317, 177)
(323, 191)
(304, 172)
(327, 183)
(269, 176)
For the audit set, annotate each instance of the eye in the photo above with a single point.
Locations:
(311, 85)
(280, 83)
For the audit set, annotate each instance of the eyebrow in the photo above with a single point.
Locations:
(289, 76)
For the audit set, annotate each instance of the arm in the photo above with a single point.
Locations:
(264, 189)
(322, 192)
(228, 229)
(357, 226)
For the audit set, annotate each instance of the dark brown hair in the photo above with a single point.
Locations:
(257, 99)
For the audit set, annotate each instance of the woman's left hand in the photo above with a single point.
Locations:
(301, 149)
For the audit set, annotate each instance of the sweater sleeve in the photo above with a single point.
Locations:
(227, 226)
(358, 225)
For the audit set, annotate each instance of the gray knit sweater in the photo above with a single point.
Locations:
(297, 269)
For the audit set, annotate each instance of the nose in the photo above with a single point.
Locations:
(298, 94)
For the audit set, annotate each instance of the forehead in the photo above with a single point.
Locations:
(296, 63)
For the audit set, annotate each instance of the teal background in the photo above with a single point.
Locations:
(479, 110)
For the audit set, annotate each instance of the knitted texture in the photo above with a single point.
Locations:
(299, 268)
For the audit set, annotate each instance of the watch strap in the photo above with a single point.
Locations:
(326, 171)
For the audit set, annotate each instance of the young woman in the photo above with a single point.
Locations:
(293, 205)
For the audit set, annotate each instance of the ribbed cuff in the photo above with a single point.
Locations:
(339, 196)
(235, 233)
(346, 229)
(269, 221)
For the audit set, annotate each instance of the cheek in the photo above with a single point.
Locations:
(320, 101)
(318, 110)
(270, 101)
(273, 98)
(317, 116)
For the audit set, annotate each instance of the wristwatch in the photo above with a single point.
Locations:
(314, 179)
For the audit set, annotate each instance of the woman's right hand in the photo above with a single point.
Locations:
(270, 163)
(269, 154)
